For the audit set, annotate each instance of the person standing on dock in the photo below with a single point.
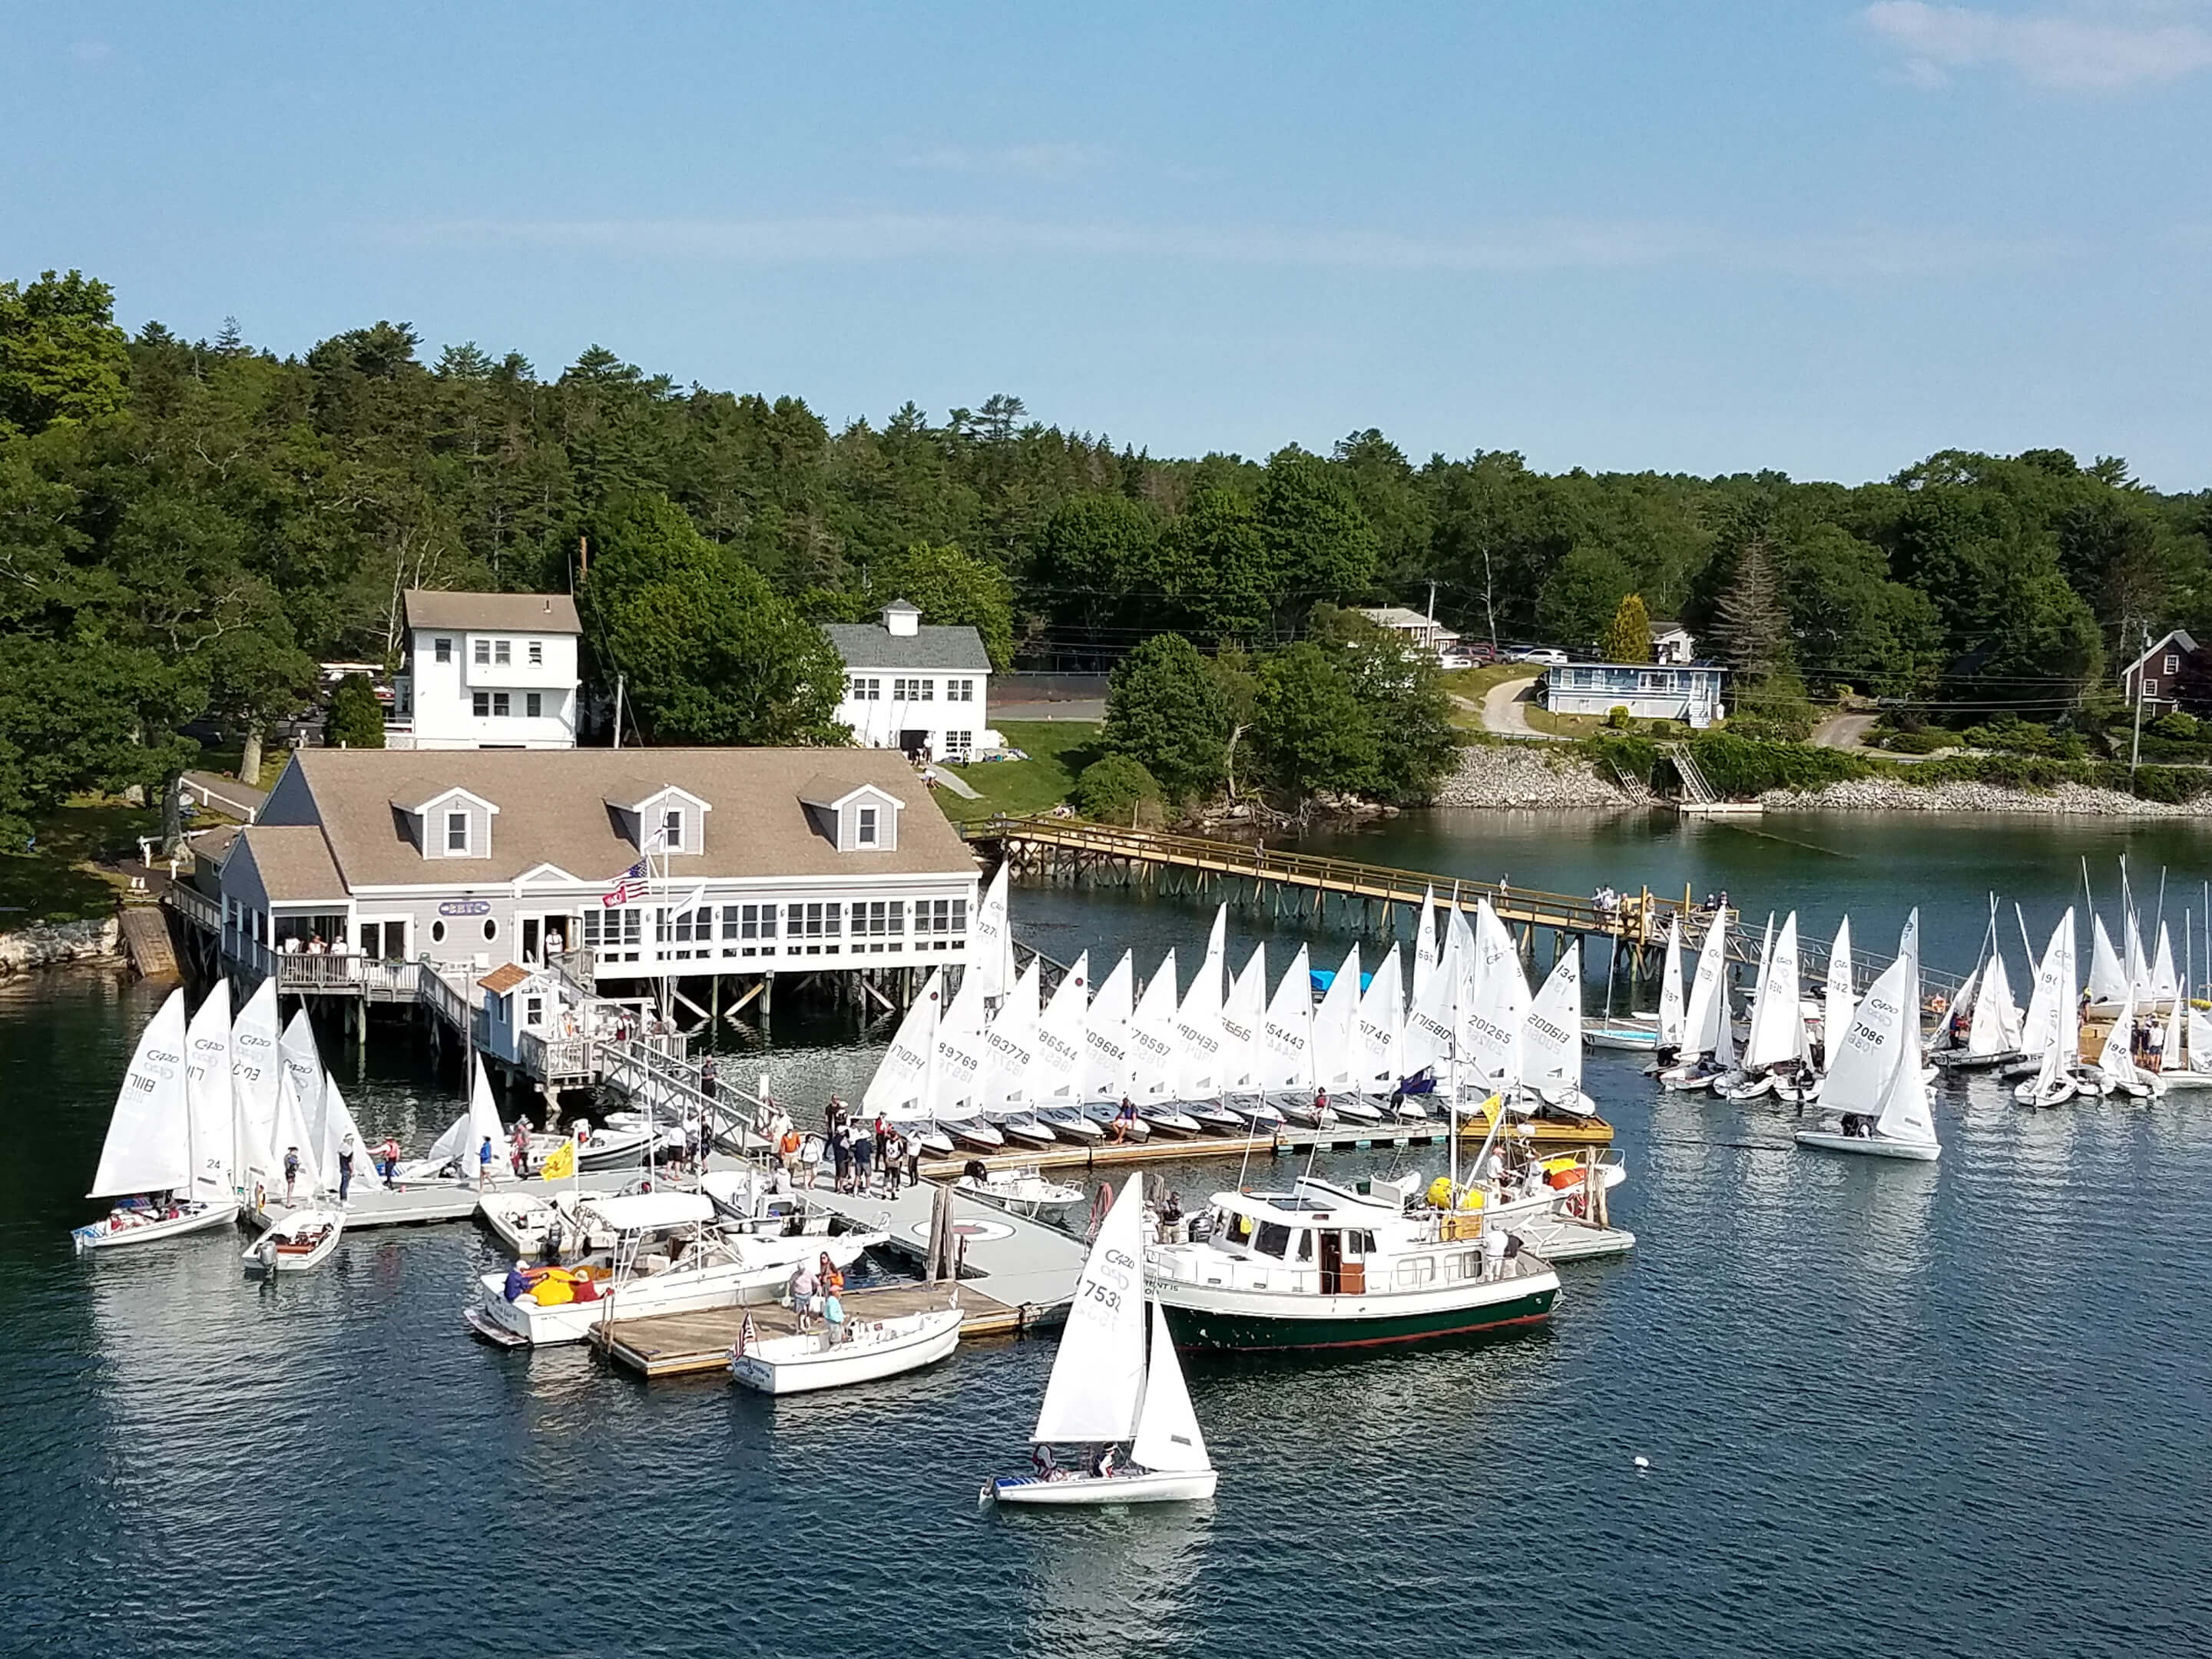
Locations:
(291, 1171)
(882, 1135)
(841, 1154)
(388, 1154)
(706, 1078)
(864, 1149)
(483, 1164)
(913, 1144)
(345, 1168)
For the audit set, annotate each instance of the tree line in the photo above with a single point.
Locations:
(187, 526)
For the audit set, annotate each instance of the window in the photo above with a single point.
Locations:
(483, 654)
(671, 829)
(898, 690)
(1274, 1238)
(959, 745)
(533, 705)
(482, 705)
(534, 1011)
(878, 918)
(2172, 663)
(2150, 688)
(500, 710)
(1305, 1245)
(864, 829)
(814, 921)
(441, 650)
(959, 690)
(457, 832)
(860, 689)
(438, 933)
(927, 690)
(537, 653)
(940, 915)
(502, 652)
(614, 934)
(491, 930)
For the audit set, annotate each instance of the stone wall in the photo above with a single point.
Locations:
(47, 945)
(1521, 775)
(1887, 795)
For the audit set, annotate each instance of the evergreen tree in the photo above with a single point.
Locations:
(1628, 636)
(355, 718)
(1752, 628)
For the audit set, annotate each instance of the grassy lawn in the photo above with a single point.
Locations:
(55, 883)
(1057, 751)
(225, 761)
(1468, 686)
(1565, 726)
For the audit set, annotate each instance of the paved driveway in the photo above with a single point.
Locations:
(1504, 711)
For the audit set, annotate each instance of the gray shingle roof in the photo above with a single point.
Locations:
(868, 645)
(504, 613)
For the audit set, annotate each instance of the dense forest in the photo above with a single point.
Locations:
(187, 526)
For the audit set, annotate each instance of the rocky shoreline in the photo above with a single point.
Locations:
(49, 944)
(1885, 795)
(1518, 774)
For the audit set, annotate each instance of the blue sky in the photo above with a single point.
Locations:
(1825, 238)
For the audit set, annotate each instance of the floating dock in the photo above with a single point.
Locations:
(691, 1344)
(371, 1204)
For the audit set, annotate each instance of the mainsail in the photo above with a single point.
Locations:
(1098, 1372)
(208, 1091)
(149, 1146)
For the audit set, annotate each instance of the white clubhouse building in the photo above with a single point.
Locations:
(923, 689)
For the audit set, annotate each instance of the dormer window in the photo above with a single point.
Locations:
(457, 833)
(865, 832)
(671, 829)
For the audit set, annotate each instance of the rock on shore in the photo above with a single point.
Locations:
(1531, 774)
(1886, 795)
(45, 944)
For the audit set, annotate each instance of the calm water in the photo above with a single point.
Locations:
(1888, 1408)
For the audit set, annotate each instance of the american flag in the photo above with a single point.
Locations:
(624, 892)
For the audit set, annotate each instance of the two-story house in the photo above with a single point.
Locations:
(487, 670)
(924, 689)
(2175, 672)
(663, 862)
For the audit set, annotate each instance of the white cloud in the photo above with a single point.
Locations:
(1050, 160)
(1562, 245)
(2103, 49)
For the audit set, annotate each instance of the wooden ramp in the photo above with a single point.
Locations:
(687, 1344)
(146, 936)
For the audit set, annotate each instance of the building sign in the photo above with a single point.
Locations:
(466, 907)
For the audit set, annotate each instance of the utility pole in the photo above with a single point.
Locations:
(619, 680)
(2143, 667)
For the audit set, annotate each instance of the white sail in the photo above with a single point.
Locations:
(1839, 1000)
(1168, 1437)
(1994, 1027)
(900, 1083)
(1098, 1373)
(1671, 1008)
(340, 1125)
(2170, 1058)
(208, 1089)
(2108, 980)
(2165, 985)
(1336, 1029)
(1107, 1073)
(1551, 1047)
(149, 1146)
(1286, 1031)
(303, 1064)
(483, 1119)
(453, 1144)
(2051, 999)
(294, 1136)
(2198, 1029)
(1152, 1035)
(1705, 1021)
(1060, 1045)
(1010, 1043)
(2117, 1059)
(1861, 1066)
(1427, 949)
(1777, 1018)
(1494, 1010)
(2070, 1009)
(991, 949)
(1197, 1021)
(2137, 963)
(1242, 1056)
(1381, 1024)
(958, 1088)
(254, 1067)
(1430, 1033)
(1905, 1113)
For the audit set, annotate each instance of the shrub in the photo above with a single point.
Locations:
(1617, 718)
(1115, 789)
(2014, 736)
(356, 719)
(1738, 766)
(2180, 725)
(1928, 742)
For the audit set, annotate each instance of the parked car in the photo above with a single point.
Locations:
(1549, 655)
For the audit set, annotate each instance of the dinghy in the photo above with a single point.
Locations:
(1024, 1191)
(1875, 1100)
(150, 1156)
(1105, 1389)
(1708, 1047)
(2116, 1071)
(863, 1351)
(296, 1242)
(2051, 1029)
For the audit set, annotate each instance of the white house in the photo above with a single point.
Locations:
(1658, 691)
(1424, 633)
(487, 670)
(923, 689)
(1671, 643)
(754, 860)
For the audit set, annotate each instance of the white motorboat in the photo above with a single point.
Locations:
(668, 1257)
(1874, 1101)
(1635, 1033)
(1106, 1389)
(749, 1202)
(296, 1242)
(544, 1224)
(152, 1157)
(863, 1351)
(1024, 1191)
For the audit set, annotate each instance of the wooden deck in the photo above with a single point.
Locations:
(686, 1344)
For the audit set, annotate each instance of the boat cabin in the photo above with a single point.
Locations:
(1320, 1239)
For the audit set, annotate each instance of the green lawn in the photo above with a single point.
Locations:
(54, 883)
(1468, 686)
(1057, 751)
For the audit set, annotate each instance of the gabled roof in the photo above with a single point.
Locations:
(2171, 634)
(500, 613)
(504, 978)
(827, 790)
(554, 810)
(293, 861)
(954, 647)
(641, 802)
(419, 807)
(1661, 628)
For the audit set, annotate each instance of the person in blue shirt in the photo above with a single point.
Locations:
(483, 1163)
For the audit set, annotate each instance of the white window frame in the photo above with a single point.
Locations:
(864, 821)
(537, 653)
(481, 654)
(2172, 663)
(671, 829)
(502, 653)
(468, 834)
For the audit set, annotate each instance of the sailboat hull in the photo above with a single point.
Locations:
(1876, 1145)
(122, 1227)
(1153, 1486)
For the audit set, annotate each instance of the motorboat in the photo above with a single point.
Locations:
(1110, 1386)
(861, 1350)
(296, 1242)
(1634, 1033)
(669, 1256)
(1323, 1266)
(749, 1202)
(1874, 1101)
(153, 1160)
(543, 1224)
(1024, 1191)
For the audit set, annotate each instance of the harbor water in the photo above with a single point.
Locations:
(1961, 1408)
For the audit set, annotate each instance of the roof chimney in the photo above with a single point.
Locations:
(901, 619)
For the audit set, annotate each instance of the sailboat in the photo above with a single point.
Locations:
(1200, 1076)
(1336, 1034)
(1708, 1048)
(1242, 1012)
(1875, 1099)
(2116, 1067)
(1107, 1390)
(2051, 1029)
(1775, 1055)
(1063, 1055)
(1552, 1040)
(956, 1091)
(150, 1159)
(902, 1088)
(1838, 996)
(1379, 1036)
(1154, 1058)
(1010, 1063)
(1659, 1033)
